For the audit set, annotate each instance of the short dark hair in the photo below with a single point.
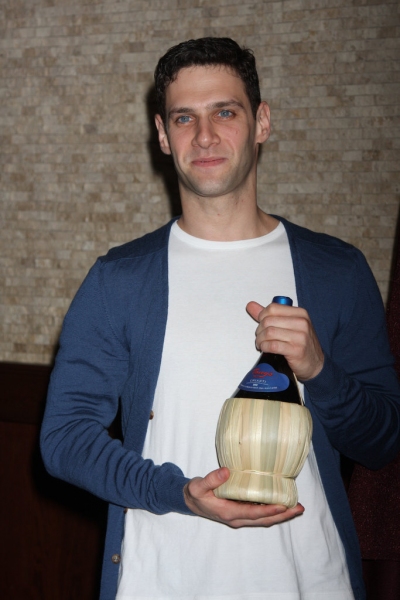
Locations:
(203, 52)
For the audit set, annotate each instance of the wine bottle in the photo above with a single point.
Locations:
(264, 434)
(271, 378)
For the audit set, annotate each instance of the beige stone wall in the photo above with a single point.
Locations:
(80, 171)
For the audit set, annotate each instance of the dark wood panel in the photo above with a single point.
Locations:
(51, 532)
(23, 391)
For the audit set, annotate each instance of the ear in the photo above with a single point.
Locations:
(162, 135)
(263, 123)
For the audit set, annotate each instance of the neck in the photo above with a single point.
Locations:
(225, 219)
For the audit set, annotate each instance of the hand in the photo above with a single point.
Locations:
(200, 498)
(288, 330)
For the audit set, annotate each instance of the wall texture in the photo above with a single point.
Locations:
(80, 168)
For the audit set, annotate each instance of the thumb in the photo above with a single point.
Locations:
(254, 309)
(214, 479)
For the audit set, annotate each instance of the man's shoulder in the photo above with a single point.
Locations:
(147, 244)
(303, 234)
(323, 249)
(131, 275)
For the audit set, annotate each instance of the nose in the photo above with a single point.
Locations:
(205, 135)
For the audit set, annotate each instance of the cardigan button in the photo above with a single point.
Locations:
(116, 558)
(151, 416)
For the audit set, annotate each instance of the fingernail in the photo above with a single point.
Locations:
(221, 473)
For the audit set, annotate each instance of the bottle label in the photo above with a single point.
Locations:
(264, 378)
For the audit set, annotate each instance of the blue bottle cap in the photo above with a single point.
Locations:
(282, 300)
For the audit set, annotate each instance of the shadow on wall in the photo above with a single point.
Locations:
(375, 495)
(162, 164)
(394, 267)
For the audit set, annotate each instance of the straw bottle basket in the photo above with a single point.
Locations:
(264, 443)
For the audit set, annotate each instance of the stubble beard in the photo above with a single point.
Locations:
(215, 186)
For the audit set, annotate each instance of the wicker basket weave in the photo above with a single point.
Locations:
(264, 443)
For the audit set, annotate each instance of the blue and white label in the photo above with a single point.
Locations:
(264, 378)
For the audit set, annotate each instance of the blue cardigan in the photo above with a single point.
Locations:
(110, 352)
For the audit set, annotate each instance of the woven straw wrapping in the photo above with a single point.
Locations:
(264, 444)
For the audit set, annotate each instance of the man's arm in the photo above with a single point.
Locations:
(351, 382)
(90, 375)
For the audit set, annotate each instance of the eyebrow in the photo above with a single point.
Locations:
(182, 110)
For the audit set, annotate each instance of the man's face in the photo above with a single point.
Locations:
(211, 132)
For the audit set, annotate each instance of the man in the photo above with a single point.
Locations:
(160, 323)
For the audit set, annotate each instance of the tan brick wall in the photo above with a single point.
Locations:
(79, 167)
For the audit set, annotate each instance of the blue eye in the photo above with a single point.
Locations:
(183, 119)
(225, 113)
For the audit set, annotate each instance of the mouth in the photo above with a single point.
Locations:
(208, 162)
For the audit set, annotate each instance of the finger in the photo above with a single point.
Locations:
(295, 318)
(280, 516)
(251, 513)
(254, 309)
(209, 482)
(285, 337)
(257, 513)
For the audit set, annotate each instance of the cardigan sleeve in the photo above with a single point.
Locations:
(356, 396)
(87, 381)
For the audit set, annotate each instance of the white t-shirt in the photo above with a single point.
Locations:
(209, 347)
